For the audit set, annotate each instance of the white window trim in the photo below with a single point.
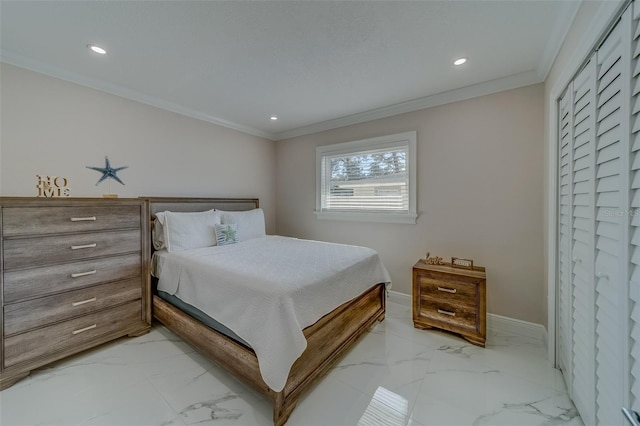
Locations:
(389, 141)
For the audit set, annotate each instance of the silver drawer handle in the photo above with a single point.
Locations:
(602, 275)
(83, 246)
(82, 302)
(84, 329)
(448, 290)
(82, 219)
(83, 274)
(442, 311)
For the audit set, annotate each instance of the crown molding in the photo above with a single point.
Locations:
(114, 89)
(493, 86)
(486, 88)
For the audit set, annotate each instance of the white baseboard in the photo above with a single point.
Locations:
(399, 298)
(495, 323)
(515, 326)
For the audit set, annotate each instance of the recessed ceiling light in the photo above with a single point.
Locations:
(273, 118)
(97, 49)
(460, 61)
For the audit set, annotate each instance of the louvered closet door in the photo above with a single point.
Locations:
(564, 238)
(602, 111)
(582, 228)
(633, 359)
(612, 215)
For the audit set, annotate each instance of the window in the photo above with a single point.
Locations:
(370, 179)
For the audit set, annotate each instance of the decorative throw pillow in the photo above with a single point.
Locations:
(227, 234)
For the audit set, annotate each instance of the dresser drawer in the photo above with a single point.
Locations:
(29, 283)
(455, 290)
(460, 316)
(32, 252)
(58, 219)
(23, 316)
(43, 341)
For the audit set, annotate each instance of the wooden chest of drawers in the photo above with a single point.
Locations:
(452, 299)
(73, 275)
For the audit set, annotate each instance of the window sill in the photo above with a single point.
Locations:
(410, 218)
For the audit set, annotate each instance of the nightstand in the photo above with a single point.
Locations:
(452, 299)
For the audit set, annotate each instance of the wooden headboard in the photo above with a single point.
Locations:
(182, 204)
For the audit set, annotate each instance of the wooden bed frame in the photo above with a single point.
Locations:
(327, 340)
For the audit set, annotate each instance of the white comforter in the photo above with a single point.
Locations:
(268, 289)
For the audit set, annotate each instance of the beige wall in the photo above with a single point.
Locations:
(480, 192)
(479, 178)
(53, 127)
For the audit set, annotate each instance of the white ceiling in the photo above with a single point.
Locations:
(315, 64)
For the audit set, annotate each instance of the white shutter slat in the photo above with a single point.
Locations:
(608, 184)
(635, 85)
(581, 138)
(609, 91)
(607, 215)
(581, 175)
(608, 230)
(608, 152)
(635, 105)
(608, 249)
(635, 244)
(609, 199)
(580, 224)
(609, 168)
(581, 163)
(581, 187)
(579, 113)
(635, 178)
(582, 212)
(583, 200)
(612, 135)
(635, 128)
(609, 72)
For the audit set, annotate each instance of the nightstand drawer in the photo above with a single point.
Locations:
(458, 315)
(33, 344)
(27, 252)
(23, 316)
(29, 283)
(450, 289)
(57, 219)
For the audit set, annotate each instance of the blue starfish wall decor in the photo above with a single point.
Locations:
(108, 171)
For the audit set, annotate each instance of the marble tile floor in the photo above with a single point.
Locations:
(396, 375)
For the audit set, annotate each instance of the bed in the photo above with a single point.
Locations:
(325, 339)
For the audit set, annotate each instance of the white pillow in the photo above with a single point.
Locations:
(250, 223)
(184, 231)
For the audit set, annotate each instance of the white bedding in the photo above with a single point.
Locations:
(268, 289)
